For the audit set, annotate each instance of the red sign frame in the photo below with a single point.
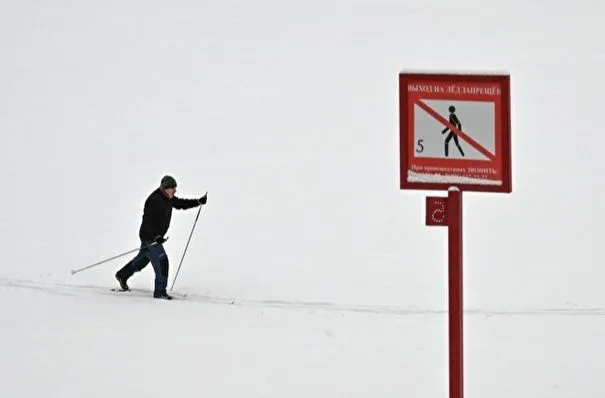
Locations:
(490, 175)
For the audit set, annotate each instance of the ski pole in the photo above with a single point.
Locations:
(109, 259)
(186, 246)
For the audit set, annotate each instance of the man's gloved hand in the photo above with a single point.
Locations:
(203, 199)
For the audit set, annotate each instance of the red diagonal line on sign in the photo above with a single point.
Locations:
(458, 132)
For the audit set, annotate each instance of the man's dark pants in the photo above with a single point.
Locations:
(159, 260)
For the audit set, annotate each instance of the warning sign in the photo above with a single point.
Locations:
(455, 130)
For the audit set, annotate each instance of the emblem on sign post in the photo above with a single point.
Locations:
(436, 211)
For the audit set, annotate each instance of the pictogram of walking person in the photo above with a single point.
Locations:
(456, 122)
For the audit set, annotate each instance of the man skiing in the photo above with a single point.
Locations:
(157, 214)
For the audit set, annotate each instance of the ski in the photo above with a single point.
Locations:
(139, 292)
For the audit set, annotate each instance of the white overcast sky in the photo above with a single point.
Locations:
(287, 113)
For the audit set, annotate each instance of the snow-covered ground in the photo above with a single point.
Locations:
(310, 274)
(72, 340)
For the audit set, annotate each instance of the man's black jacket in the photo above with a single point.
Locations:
(158, 212)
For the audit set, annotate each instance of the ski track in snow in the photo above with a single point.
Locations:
(76, 291)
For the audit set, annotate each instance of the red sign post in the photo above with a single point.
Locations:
(454, 136)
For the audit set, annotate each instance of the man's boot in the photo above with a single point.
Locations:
(122, 281)
(164, 296)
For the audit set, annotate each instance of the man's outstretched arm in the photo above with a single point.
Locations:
(183, 204)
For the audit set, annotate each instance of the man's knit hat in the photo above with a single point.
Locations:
(168, 182)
